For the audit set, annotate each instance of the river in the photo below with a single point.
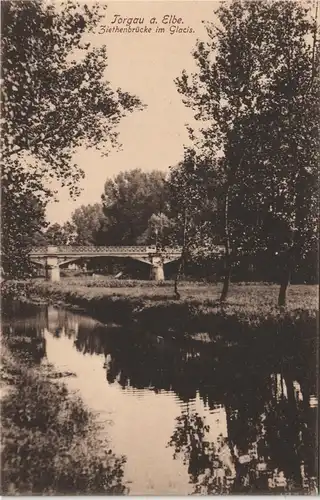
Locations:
(189, 416)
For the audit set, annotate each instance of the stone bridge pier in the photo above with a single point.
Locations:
(157, 261)
(52, 268)
(157, 270)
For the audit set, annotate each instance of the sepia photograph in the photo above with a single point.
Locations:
(159, 247)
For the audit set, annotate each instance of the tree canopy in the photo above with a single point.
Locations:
(255, 95)
(129, 201)
(23, 219)
(88, 221)
(55, 98)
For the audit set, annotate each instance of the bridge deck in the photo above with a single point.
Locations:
(68, 250)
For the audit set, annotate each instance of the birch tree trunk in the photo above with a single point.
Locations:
(227, 276)
(182, 258)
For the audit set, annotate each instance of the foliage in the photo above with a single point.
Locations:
(83, 228)
(57, 234)
(129, 201)
(193, 199)
(54, 99)
(191, 440)
(193, 203)
(50, 443)
(22, 219)
(55, 96)
(159, 230)
(258, 113)
(85, 224)
(88, 221)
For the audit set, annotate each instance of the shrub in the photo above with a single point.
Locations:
(50, 440)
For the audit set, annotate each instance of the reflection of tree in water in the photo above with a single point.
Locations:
(143, 361)
(60, 322)
(148, 362)
(290, 434)
(89, 342)
(270, 444)
(26, 340)
(209, 464)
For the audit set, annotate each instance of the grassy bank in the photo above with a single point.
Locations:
(250, 309)
(50, 441)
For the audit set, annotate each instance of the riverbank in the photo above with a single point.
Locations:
(50, 443)
(159, 392)
(250, 311)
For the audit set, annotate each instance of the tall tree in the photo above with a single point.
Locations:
(292, 146)
(222, 94)
(129, 201)
(186, 195)
(159, 230)
(58, 234)
(88, 221)
(22, 220)
(258, 123)
(193, 188)
(55, 96)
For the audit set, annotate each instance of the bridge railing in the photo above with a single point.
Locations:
(70, 250)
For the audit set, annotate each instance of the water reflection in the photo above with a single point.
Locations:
(245, 418)
(26, 337)
(267, 448)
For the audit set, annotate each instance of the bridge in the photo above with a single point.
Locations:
(52, 257)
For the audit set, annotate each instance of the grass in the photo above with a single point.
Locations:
(242, 295)
(152, 307)
(50, 441)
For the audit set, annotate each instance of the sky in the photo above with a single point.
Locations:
(145, 65)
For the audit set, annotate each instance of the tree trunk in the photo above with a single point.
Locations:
(285, 282)
(226, 281)
(176, 281)
(292, 256)
(227, 276)
(301, 210)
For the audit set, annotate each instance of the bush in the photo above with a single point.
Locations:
(50, 440)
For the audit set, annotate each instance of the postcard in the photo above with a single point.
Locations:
(159, 247)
